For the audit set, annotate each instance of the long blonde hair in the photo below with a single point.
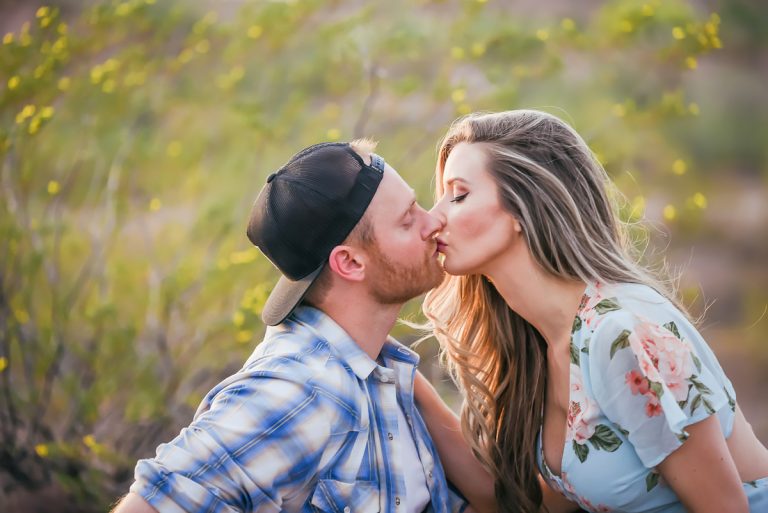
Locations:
(547, 178)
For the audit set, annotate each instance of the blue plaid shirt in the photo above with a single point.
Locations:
(308, 424)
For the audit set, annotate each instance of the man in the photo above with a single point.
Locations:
(321, 417)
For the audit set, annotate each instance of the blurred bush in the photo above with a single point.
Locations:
(134, 135)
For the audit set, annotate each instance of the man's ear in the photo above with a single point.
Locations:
(348, 263)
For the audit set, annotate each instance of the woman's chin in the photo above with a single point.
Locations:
(452, 269)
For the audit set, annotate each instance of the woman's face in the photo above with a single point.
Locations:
(478, 230)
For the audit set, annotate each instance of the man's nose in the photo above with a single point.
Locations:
(434, 224)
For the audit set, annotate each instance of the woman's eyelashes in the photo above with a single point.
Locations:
(459, 198)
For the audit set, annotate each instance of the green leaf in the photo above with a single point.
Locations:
(708, 406)
(576, 324)
(731, 401)
(682, 436)
(657, 388)
(621, 342)
(651, 480)
(695, 403)
(574, 354)
(607, 305)
(671, 326)
(582, 451)
(623, 431)
(585, 349)
(696, 362)
(701, 387)
(605, 439)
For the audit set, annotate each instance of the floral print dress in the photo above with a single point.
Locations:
(640, 373)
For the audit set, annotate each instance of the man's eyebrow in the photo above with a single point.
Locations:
(410, 205)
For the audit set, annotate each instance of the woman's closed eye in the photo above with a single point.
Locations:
(459, 198)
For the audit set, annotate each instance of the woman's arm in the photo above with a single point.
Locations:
(702, 472)
(461, 467)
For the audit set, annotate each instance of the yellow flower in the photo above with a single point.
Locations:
(41, 450)
(124, 9)
(619, 110)
(173, 149)
(626, 26)
(45, 22)
(647, 10)
(155, 204)
(34, 126)
(89, 441)
(679, 167)
(21, 315)
(42, 12)
(64, 83)
(3, 363)
(238, 318)
(203, 46)
(457, 52)
(333, 134)
(693, 108)
(255, 31)
(691, 62)
(53, 187)
(678, 33)
(108, 86)
(244, 336)
(13, 82)
(8, 38)
(478, 49)
(700, 200)
(568, 24)
(62, 28)
(542, 34)
(458, 95)
(244, 257)
(25, 113)
(670, 212)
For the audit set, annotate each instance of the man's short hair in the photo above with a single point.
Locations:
(361, 235)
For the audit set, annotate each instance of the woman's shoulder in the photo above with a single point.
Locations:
(626, 304)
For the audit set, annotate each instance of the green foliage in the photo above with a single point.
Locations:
(134, 136)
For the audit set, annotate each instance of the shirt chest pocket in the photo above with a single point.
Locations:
(339, 497)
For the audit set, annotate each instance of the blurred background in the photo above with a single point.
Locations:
(134, 136)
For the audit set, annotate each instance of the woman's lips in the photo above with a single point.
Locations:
(441, 246)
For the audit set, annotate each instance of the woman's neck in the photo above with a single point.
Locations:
(549, 303)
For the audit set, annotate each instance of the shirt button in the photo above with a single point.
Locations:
(397, 501)
(384, 379)
(389, 435)
(346, 509)
(430, 474)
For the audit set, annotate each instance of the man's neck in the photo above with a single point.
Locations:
(366, 322)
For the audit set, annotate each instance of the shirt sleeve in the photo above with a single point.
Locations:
(652, 378)
(262, 436)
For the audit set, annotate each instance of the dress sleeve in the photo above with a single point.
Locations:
(652, 379)
(260, 434)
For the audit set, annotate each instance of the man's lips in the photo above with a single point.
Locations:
(441, 246)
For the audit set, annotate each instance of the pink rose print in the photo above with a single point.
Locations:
(637, 383)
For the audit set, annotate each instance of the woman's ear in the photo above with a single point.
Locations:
(347, 263)
(516, 225)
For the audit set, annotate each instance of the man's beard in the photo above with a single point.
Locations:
(396, 284)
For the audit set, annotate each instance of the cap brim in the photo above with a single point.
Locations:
(285, 297)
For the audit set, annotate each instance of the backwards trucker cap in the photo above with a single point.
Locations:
(306, 208)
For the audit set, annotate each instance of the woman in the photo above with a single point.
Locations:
(576, 364)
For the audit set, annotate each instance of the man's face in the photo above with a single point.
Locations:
(403, 258)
